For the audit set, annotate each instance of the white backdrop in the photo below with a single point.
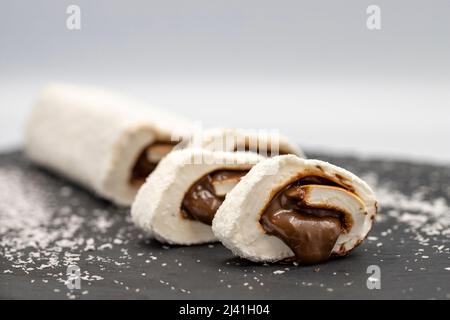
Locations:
(311, 69)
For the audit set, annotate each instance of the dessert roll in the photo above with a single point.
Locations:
(105, 142)
(265, 143)
(288, 208)
(177, 203)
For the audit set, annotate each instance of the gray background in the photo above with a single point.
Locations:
(310, 68)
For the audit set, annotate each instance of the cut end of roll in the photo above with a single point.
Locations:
(178, 201)
(287, 208)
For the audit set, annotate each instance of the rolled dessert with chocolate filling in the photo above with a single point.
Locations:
(101, 140)
(177, 203)
(265, 143)
(288, 208)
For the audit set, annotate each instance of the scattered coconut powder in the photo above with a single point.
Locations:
(22, 207)
(278, 272)
(35, 234)
(425, 217)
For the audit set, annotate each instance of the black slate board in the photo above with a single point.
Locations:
(135, 268)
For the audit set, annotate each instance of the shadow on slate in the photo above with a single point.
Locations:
(131, 267)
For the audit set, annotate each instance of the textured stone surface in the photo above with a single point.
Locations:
(47, 224)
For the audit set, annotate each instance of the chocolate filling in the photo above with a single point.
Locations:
(201, 201)
(311, 233)
(148, 159)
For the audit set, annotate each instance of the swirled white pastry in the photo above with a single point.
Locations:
(266, 143)
(179, 199)
(290, 208)
(104, 141)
